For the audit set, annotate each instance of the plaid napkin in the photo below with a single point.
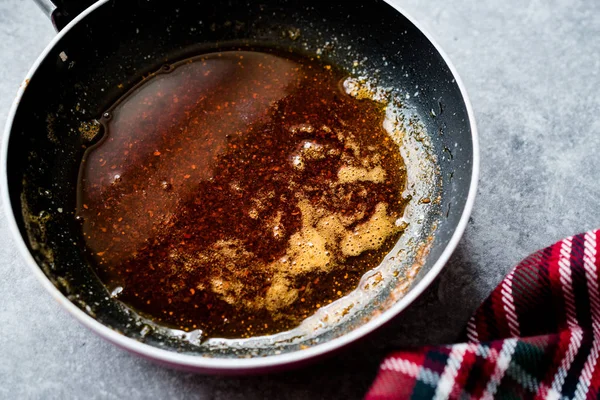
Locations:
(536, 336)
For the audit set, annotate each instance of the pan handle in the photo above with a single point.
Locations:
(61, 12)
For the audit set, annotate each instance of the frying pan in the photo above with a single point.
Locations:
(105, 49)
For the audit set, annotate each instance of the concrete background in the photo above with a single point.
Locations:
(531, 68)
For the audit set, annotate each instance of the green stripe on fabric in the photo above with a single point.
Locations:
(507, 392)
(423, 391)
(532, 358)
(526, 284)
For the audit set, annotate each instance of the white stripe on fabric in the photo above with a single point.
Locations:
(567, 360)
(553, 395)
(564, 269)
(588, 371)
(411, 369)
(591, 275)
(448, 378)
(472, 334)
(502, 363)
(509, 305)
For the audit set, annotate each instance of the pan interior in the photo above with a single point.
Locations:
(116, 46)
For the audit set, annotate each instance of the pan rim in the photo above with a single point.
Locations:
(216, 365)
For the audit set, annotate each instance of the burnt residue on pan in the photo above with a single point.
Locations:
(419, 120)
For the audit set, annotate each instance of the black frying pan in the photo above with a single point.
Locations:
(105, 50)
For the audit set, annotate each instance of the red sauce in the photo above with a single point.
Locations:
(238, 192)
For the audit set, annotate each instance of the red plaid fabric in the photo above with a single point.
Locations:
(535, 337)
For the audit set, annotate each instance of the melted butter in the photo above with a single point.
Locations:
(239, 192)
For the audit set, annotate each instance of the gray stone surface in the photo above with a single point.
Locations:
(531, 68)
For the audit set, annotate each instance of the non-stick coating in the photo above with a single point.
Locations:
(120, 42)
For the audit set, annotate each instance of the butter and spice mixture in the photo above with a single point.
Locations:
(238, 192)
